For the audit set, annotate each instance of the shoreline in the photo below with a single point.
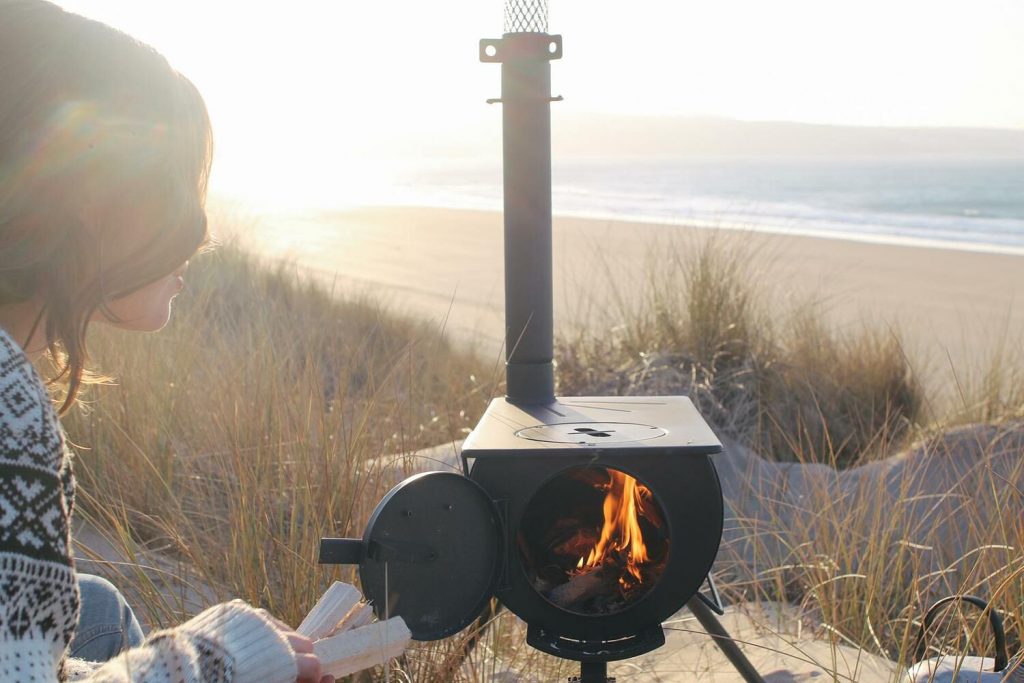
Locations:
(951, 306)
(767, 228)
(882, 239)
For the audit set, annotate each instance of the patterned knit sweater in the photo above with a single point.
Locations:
(38, 589)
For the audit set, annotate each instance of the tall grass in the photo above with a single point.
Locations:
(273, 411)
(994, 390)
(787, 384)
(866, 566)
(265, 416)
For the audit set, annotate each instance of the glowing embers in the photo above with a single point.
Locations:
(593, 540)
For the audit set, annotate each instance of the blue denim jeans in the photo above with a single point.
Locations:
(106, 624)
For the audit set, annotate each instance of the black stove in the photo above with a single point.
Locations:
(593, 519)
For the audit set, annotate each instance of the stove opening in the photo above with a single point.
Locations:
(593, 540)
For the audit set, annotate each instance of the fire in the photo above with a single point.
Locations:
(621, 534)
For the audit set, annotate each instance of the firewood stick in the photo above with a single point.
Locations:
(326, 615)
(583, 586)
(361, 648)
(360, 615)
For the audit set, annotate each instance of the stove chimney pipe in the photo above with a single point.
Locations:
(525, 53)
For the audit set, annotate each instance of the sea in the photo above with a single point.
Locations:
(958, 204)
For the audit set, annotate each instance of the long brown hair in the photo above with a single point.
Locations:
(104, 156)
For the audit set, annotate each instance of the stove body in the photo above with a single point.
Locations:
(527, 458)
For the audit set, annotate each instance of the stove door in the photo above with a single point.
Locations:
(431, 553)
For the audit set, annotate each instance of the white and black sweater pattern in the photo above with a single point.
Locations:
(39, 600)
(38, 591)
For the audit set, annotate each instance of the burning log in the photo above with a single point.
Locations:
(344, 639)
(588, 584)
(577, 544)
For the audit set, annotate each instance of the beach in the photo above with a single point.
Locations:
(952, 307)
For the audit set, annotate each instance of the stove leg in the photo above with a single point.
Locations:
(592, 672)
(723, 640)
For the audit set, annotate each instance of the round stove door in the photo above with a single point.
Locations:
(431, 553)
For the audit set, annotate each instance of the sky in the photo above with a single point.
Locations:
(310, 92)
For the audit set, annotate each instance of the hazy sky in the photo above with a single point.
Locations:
(293, 87)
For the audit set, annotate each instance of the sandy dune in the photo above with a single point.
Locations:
(952, 306)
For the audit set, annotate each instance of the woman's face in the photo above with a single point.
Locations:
(147, 309)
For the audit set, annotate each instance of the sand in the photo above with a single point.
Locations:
(952, 307)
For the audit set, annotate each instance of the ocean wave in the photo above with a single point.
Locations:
(967, 206)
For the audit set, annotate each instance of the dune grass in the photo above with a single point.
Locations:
(272, 411)
(788, 386)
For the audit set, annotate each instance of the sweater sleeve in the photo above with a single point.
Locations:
(230, 642)
(38, 590)
(39, 601)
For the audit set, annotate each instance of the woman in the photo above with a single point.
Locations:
(104, 155)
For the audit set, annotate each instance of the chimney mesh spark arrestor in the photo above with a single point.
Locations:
(593, 519)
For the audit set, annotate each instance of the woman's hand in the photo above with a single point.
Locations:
(308, 663)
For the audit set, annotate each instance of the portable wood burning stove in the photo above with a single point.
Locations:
(593, 519)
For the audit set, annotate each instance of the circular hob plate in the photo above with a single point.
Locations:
(591, 433)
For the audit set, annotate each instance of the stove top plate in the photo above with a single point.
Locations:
(667, 424)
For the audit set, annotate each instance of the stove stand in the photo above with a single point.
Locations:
(698, 606)
(704, 609)
(597, 672)
(592, 672)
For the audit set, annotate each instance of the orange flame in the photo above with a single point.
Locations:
(621, 530)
